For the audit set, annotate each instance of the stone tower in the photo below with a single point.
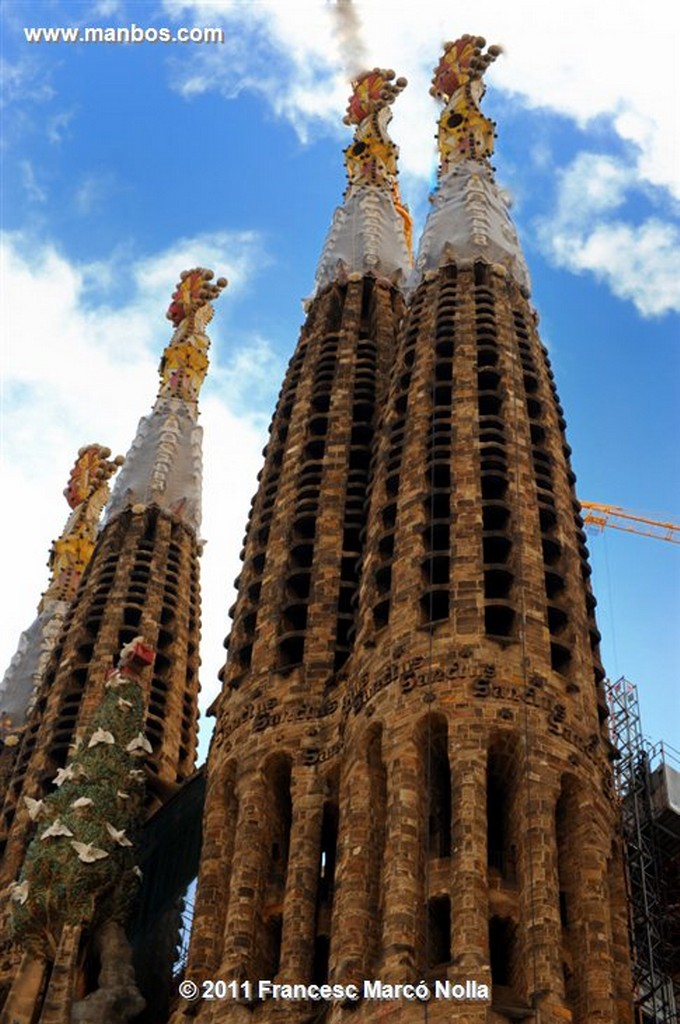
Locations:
(259, 909)
(410, 775)
(90, 726)
(87, 492)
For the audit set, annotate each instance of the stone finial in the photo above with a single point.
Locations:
(184, 363)
(87, 492)
(372, 157)
(372, 231)
(463, 131)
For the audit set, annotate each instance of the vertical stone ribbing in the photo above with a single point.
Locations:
(304, 541)
(246, 884)
(217, 853)
(357, 911)
(299, 907)
(468, 876)
(404, 866)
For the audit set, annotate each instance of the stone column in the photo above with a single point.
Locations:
(595, 1003)
(618, 909)
(57, 1007)
(469, 889)
(539, 930)
(251, 855)
(299, 904)
(212, 894)
(361, 840)
(403, 900)
(25, 992)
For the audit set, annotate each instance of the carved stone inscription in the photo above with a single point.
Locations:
(531, 695)
(407, 673)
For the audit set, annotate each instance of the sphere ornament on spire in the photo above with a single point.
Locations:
(193, 291)
(463, 131)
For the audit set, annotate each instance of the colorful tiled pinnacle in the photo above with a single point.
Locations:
(163, 467)
(372, 231)
(86, 493)
(470, 217)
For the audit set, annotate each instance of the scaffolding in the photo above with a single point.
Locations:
(648, 786)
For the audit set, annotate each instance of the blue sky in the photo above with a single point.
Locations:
(124, 164)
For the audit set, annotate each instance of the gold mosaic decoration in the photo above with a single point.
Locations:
(87, 492)
(463, 131)
(184, 363)
(371, 159)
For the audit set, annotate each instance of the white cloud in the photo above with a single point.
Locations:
(577, 61)
(24, 80)
(592, 184)
(86, 371)
(639, 262)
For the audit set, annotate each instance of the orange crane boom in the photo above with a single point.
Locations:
(606, 515)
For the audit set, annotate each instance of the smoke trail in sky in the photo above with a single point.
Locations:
(347, 30)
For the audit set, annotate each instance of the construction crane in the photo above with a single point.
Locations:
(608, 515)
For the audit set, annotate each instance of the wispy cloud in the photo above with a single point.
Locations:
(638, 261)
(93, 190)
(25, 80)
(58, 124)
(35, 192)
(105, 8)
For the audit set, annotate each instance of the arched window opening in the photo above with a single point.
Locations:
(321, 960)
(329, 839)
(501, 854)
(277, 814)
(438, 931)
(502, 956)
(325, 887)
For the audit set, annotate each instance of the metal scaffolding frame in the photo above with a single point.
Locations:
(638, 763)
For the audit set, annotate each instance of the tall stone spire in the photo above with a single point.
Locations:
(476, 664)
(294, 617)
(371, 232)
(140, 593)
(470, 215)
(86, 493)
